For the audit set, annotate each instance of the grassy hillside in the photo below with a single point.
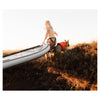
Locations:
(75, 69)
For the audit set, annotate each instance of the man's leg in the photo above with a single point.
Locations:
(46, 56)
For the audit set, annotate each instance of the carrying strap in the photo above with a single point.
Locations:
(52, 39)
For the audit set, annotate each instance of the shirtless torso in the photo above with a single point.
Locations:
(50, 33)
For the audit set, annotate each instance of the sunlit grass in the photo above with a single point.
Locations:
(75, 69)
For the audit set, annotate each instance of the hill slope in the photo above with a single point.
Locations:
(75, 69)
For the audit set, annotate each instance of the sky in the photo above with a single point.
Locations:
(25, 28)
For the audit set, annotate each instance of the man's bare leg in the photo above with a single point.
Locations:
(46, 56)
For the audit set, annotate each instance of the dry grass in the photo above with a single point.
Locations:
(75, 69)
(79, 62)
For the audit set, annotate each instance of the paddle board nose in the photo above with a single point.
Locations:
(25, 55)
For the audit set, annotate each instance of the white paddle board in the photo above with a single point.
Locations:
(25, 55)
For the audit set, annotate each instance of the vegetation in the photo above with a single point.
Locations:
(74, 69)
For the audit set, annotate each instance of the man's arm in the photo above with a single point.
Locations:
(55, 33)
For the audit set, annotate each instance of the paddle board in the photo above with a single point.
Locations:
(25, 55)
